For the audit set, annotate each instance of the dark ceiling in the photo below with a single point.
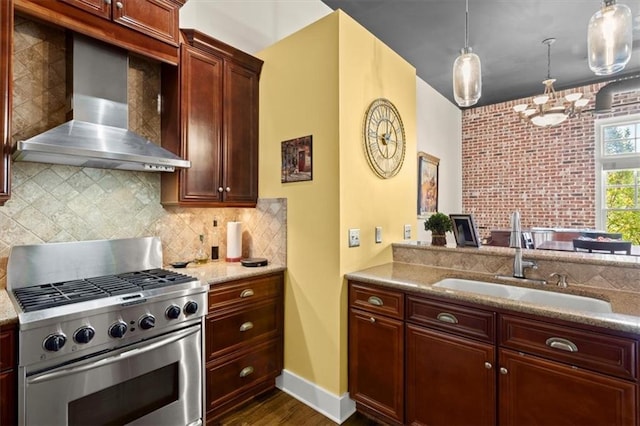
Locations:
(506, 34)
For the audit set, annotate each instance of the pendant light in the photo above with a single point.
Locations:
(467, 73)
(610, 38)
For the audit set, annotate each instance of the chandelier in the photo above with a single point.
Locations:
(548, 109)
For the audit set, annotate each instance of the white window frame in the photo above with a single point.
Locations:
(625, 161)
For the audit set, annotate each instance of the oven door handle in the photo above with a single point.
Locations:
(174, 337)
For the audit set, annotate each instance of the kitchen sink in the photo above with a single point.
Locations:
(530, 295)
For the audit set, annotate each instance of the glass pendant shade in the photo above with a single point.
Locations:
(610, 38)
(467, 78)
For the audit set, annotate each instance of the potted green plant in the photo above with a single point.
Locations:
(439, 224)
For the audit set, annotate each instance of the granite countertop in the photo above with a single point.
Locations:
(209, 274)
(420, 279)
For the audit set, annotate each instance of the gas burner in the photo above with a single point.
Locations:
(46, 296)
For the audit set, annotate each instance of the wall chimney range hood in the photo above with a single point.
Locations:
(97, 136)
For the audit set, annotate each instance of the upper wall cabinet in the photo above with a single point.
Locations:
(210, 117)
(6, 41)
(147, 27)
(155, 18)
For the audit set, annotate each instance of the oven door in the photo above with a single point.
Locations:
(155, 382)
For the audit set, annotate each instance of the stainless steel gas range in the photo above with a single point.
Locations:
(106, 336)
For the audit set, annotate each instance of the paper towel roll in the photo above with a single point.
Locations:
(234, 241)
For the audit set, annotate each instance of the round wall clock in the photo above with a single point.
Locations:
(384, 140)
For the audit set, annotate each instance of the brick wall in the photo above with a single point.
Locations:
(548, 174)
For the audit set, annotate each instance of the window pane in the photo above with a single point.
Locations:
(621, 197)
(623, 146)
(619, 132)
(621, 177)
(625, 222)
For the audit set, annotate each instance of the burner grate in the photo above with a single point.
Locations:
(46, 296)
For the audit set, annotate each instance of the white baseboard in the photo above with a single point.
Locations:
(336, 408)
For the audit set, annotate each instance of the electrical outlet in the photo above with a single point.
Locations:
(354, 237)
(378, 234)
(407, 232)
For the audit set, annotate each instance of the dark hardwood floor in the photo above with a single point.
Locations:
(278, 408)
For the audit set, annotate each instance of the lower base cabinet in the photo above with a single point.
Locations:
(534, 391)
(244, 341)
(8, 376)
(450, 380)
(467, 365)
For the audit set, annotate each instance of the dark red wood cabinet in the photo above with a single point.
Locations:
(8, 376)
(147, 27)
(376, 352)
(210, 117)
(463, 364)
(156, 18)
(6, 58)
(244, 335)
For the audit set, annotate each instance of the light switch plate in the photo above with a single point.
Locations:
(407, 232)
(354, 237)
(378, 234)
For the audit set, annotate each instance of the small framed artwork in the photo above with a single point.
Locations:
(465, 230)
(427, 184)
(297, 160)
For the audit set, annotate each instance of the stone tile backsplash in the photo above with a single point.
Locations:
(579, 269)
(53, 203)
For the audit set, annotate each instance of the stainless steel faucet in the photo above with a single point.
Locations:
(515, 241)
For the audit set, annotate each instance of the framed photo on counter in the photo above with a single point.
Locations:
(465, 231)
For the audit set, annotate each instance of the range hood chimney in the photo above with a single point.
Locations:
(97, 136)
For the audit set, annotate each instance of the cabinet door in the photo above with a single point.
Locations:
(8, 390)
(376, 367)
(6, 42)
(541, 392)
(240, 175)
(155, 18)
(201, 125)
(97, 7)
(450, 380)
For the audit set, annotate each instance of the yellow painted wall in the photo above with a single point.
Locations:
(319, 81)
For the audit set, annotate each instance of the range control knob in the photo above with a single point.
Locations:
(190, 308)
(173, 312)
(54, 342)
(147, 322)
(117, 330)
(84, 334)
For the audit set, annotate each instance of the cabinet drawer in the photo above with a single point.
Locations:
(227, 380)
(7, 349)
(225, 333)
(246, 291)
(600, 352)
(461, 320)
(377, 300)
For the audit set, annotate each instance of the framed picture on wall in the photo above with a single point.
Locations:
(427, 184)
(297, 160)
(465, 230)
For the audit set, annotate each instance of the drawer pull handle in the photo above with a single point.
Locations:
(375, 300)
(246, 293)
(246, 371)
(372, 320)
(488, 365)
(447, 317)
(503, 371)
(562, 344)
(246, 326)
